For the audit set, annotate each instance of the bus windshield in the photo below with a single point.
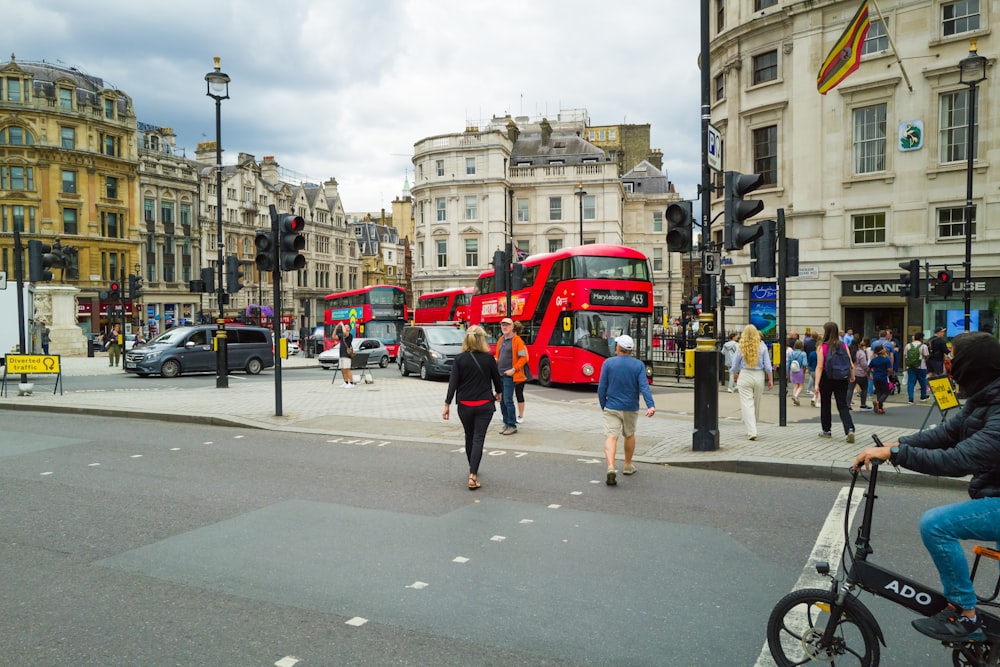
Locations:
(597, 331)
(611, 268)
(387, 332)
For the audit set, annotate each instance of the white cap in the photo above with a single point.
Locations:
(625, 342)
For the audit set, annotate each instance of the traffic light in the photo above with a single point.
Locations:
(208, 278)
(729, 295)
(233, 275)
(40, 260)
(909, 282)
(134, 287)
(264, 242)
(290, 242)
(517, 276)
(791, 258)
(944, 284)
(115, 291)
(737, 210)
(680, 226)
(500, 269)
(762, 251)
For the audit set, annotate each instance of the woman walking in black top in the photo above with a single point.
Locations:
(472, 373)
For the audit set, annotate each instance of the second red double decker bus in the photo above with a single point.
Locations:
(572, 305)
(450, 305)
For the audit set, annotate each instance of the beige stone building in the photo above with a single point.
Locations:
(539, 183)
(874, 172)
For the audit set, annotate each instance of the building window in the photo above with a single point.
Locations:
(765, 67)
(951, 223)
(720, 15)
(109, 108)
(470, 165)
(763, 4)
(16, 136)
(69, 221)
(109, 145)
(869, 139)
(959, 17)
(522, 210)
(868, 229)
(657, 259)
(186, 220)
(600, 135)
(442, 212)
(590, 207)
(420, 254)
(657, 221)
(149, 210)
(522, 248)
(69, 182)
(471, 209)
(765, 154)
(555, 208)
(17, 178)
(65, 98)
(955, 127)
(442, 253)
(877, 40)
(112, 187)
(440, 167)
(67, 137)
(472, 252)
(111, 225)
(14, 90)
(555, 244)
(167, 212)
(720, 87)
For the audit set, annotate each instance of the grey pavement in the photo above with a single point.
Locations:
(396, 407)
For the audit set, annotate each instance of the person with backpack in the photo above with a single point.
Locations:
(915, 358)
(834, 372)
(797, 362)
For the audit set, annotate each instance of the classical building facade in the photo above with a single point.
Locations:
(69, 170)
(874, 172)
(538, 183)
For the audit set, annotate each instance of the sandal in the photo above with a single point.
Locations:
(473, 484)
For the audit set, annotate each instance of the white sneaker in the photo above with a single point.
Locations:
(346, 385)
(520, 420)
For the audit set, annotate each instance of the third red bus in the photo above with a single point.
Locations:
(450, 305)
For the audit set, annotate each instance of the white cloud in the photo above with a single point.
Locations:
(337, 88)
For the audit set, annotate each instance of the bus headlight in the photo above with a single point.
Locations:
(588, 370)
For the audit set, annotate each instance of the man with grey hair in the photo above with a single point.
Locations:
(623, 378)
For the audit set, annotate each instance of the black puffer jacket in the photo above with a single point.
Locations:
(966, 444)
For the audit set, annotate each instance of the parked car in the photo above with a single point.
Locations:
(378, 354)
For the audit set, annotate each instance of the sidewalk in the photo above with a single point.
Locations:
(396, 407)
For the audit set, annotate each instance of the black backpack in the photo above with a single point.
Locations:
(837, 364)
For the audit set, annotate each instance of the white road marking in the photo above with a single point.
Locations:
(527, 521)
(498, 538)
(357, 621)
(175, 449)
(828, 547)
(47, 473)
(93, 465)
(287, 661)
(459, 559)
(208, 442)
(136, 456)
(554, 507)
(589, 460)
(576, 493)
(418, 585)
(520, 454)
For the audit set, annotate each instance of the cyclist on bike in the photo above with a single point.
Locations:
(965, 444)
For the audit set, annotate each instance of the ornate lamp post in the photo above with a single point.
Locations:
(971, 72)
(581, 193)
(217, 87)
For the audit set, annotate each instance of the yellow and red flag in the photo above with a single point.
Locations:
(845, 56)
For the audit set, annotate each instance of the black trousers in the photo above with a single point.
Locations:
(475, 420)
(838, 390)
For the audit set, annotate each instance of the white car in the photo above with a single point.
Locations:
(378, 354)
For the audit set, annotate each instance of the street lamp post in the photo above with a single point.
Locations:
(217, 87)
(581, 193)
(971, 72)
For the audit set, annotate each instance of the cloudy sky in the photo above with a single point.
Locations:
(344, 88)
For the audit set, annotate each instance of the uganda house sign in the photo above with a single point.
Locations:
(911, 135)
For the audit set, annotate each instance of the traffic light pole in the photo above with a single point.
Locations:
(706, 356)
(19, 276)
(276, 308)
(782, 303)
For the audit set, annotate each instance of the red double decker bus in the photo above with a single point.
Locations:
(572, 305)
(378, 311)
(450, 305)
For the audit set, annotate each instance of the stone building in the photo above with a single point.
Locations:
(873, 173)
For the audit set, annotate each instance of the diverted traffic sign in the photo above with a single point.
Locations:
(35, 364)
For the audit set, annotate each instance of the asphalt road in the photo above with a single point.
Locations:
(126, 543)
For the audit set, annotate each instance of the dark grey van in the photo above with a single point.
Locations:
(191, 350)
(429, 349)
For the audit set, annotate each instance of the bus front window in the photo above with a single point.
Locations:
(597, 332)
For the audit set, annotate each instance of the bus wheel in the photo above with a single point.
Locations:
(545, 373)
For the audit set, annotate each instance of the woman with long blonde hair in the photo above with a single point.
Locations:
(750, 366)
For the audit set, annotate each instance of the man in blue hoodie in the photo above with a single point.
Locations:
(623, 378)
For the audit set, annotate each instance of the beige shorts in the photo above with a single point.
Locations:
(620, 422)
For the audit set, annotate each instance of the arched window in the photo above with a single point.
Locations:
(16, 136)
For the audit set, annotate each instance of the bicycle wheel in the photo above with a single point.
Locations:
(797, 623)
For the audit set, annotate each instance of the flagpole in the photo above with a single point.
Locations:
(895, 52)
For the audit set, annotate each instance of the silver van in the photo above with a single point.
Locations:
(429, 349)
(191, 350)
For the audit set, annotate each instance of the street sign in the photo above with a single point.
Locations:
(714, 148)
(3, 280)
(712, 264)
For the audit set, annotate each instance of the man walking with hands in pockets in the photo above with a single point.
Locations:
(623, 378)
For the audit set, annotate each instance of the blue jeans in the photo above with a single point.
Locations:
(941, 529)
(912, 376)
(507, 407)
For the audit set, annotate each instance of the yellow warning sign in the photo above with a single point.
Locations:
(943, 394)
(31, 363)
